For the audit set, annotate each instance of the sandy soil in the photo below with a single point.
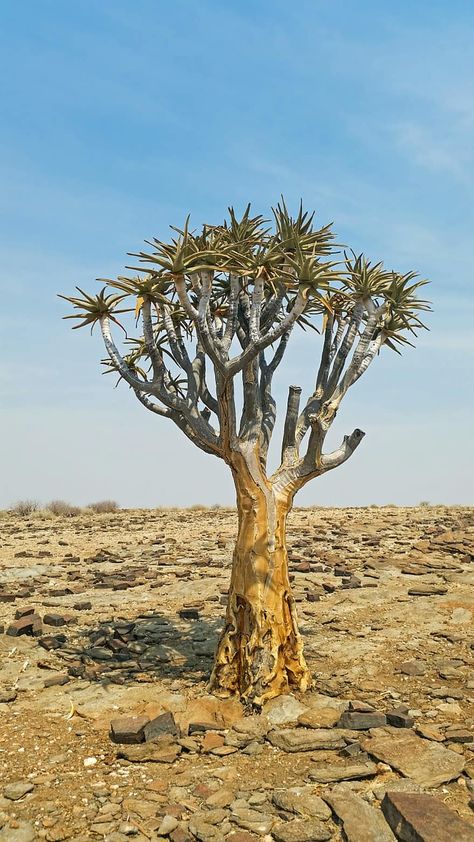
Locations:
(366, 638)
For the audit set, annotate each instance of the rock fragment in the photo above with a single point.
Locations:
(7, 696)
(358, 721)
(399, 717)
(56, 620)
(319, 718)
(252, 820)
(18, 831)
(302, 830)
(360, 821)
(56, 680)
(353, 771)
(30, 624)
(128, 729)
(283, 710)
(162, 724)
(301, 801)
(17, 790)
(427, 590)
(150, 753)
(426, 762)
(418, 817)
(306, 739)
(168, 824)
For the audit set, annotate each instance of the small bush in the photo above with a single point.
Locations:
(104, 506)
(198, 507)
(63, 509)
(25, 507)
(424, 503)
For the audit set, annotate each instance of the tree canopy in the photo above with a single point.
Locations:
(214, 302)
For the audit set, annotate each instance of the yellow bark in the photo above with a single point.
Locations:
(260, 652)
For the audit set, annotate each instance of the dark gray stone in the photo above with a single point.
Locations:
(128, 729)
(163, 724)
(417, 817)
(360, 721)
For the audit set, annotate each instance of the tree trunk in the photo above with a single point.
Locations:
(260, 652)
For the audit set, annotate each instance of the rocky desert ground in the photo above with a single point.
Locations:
(109, 623)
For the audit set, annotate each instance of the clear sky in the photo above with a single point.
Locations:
(117, 118)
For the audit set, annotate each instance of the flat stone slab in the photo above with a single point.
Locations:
(427, 763)
(303, 802)
(23, 832)
(30, 624)
(252, 820)
(319, 718)
(416, 817)
(128, 729)
(150, 753)
(17, 790)
(162, 724)
(301, 830)
(362, 721)
(283, 710)
(353, 771)
(361, 822)
(397, 785)
(427, 590)
(306, 739)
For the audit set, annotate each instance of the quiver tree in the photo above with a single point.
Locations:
(214, 310)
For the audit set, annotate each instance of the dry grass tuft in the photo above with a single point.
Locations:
(24, 508)
(104, 506)
(63, 509)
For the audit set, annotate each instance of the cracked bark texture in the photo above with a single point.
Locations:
(260, 652)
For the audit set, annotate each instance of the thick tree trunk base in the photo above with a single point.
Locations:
(260, 652)
(264, 662)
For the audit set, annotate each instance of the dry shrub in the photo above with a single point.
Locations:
(63, 509)
(25, 507)
(198, 507)
(104, 506)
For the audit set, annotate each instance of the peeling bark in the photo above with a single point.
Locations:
(260, 652)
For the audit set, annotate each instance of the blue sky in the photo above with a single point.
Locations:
(118, 118)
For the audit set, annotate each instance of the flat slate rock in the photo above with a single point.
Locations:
(427, 590)
(397, 785)
(128, 729)
(361, 822)
(283, 710)
(353, 771)
(306, 739)
(301, 830)
(17, 790)
(319, 718)
(425, 762)
(416, 817)
(361, 720)
(302, 801)
(150, 753)
(162, 724)
(252, 820)
(22, 832)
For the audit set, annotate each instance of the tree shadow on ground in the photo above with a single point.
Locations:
(143, 649)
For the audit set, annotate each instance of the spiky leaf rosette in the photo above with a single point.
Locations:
(292, 257)
(92, 308)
